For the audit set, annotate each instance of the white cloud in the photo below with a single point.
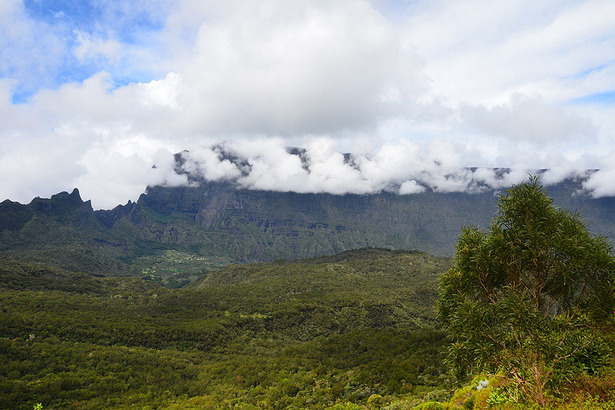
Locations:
(112, 175)
(481, 52)
(296, 68)
(602, 182)
(418, 97)
(411, 187)
(405, 167)
(524, 118)
(91, 47)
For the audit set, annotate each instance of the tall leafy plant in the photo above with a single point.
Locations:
(530, 298)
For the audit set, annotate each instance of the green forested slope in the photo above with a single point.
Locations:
(310, 334)
(369, 286)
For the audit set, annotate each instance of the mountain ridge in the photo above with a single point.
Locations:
(218, 223)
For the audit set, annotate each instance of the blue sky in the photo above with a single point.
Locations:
(606, 98)
(71, 22)
(95, 92)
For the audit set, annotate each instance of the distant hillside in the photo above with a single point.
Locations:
(175, 234)
(366, 287)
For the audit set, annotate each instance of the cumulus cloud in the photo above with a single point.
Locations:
(601, 183)
(90, 47)
(479, 52)
(282, 68)
(411, 187)
(432, 95)
(526, 118)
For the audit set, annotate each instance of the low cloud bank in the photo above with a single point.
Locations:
(114, 170)
(113, 173)
(405, 168)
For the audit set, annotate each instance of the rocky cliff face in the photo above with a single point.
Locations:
(62, 230)
(215, 219)
(63, 207)
(310, 224)
(263, 225)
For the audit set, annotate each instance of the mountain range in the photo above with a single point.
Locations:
(175, 234)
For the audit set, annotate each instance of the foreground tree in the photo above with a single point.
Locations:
(531, 298)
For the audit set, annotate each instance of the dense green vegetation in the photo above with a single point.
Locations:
(532, 300)
(351, 328)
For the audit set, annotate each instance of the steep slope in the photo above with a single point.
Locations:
(63, 231)
(246, 225)
(261, 225)
(176, 234)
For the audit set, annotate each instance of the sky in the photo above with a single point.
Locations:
(100, 94)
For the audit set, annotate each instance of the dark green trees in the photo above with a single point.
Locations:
(531, 297)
